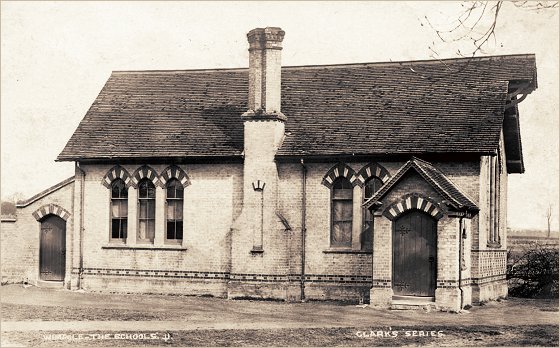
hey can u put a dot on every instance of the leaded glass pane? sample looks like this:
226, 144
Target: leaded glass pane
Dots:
118, 189
170, 230
151, 209
342, 233
146, 189
179, 210
342, 211
115, 228
115, 209
371, 186
123, 208
342, 193
179, 230
143, 210
171, 210
123, 228
342, 183
150, 233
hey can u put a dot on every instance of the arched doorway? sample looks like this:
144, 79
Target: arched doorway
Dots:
52, 251
414, 254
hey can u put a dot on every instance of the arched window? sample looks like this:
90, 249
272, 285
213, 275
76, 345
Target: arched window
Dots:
174, 210
146, 211
494, 170
370, 187
341, 213
119, 210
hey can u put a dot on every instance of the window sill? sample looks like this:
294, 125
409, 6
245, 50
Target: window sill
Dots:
346, 251
171, 243
494, 245
257, 250
144, 247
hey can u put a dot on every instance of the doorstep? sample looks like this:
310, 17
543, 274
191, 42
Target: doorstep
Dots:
413, 302
52, 284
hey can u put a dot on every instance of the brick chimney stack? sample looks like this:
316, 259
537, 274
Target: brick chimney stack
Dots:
265, 50
258, 237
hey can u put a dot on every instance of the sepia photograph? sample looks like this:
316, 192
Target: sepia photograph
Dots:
279, 173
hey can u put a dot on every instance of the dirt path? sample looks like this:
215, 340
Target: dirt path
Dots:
34, 304
46, 317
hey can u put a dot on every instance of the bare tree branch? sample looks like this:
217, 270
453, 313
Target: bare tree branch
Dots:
477, 23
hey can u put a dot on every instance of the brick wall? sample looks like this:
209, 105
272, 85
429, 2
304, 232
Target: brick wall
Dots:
212, 201
215, 256
321, 261
20, 238
330, 273
489, 262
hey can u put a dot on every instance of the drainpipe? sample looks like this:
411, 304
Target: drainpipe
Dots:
372, 251
303, 229
82, 187
461, 231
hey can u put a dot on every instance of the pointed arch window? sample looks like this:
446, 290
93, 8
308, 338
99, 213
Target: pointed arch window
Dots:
146, 211
370, 187
119, 210
341, 213
175, 198
494, 170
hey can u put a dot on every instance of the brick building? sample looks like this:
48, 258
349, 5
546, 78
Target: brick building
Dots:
381, 181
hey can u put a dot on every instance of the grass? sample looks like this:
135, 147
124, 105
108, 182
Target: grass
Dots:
18, 312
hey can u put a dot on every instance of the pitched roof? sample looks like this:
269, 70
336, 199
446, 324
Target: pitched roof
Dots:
445, 187
24, 203
449, 106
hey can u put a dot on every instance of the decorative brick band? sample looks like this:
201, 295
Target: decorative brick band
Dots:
373, 170
381, 283
309, 278
263, 278
441, 283
330, 278
123, 272
174, 172
413, 201
117, 172
488, 279
145, 172
247, 277
447, 283
51, 209
489, 250
337, 171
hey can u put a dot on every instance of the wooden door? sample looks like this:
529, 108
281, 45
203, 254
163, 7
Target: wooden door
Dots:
53, 248
414, 254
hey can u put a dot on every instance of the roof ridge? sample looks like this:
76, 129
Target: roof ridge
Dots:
338, 65
431, 166
457, 187
436, 184
418, 159
55, 187
174, 71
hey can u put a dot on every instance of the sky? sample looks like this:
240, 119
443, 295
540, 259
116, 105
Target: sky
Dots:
56, 57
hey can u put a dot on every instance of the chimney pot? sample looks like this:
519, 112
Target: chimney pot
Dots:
263, 38
265, 45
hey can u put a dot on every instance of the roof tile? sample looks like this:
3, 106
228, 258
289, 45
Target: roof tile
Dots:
448, 106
